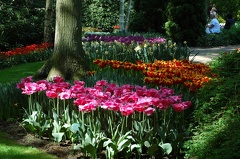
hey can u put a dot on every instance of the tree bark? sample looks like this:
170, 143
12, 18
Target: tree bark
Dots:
67, 60
128, 14
48, 22
121, 18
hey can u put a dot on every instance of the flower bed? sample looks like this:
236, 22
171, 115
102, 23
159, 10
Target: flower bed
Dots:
31, 53
122, 120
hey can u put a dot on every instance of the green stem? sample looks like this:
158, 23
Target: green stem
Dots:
58, 107
122, 125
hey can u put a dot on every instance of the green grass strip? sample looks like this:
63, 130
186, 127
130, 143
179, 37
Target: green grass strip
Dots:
9, 149
15, 73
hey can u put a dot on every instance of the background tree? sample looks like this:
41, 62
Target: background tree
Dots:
148, 16
122, 15
186, 20
101, 14
48, 29
225, 7
128, 14
21, 23
67, 60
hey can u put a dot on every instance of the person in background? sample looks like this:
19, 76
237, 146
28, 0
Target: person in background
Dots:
229, 21
214, 26
213, 9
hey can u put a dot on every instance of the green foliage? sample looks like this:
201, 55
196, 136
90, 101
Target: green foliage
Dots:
225, 7
226, 37
211, 40
11, 101
233, 33
186, 20
217, 140
100, 14
215, 130
148, 16
21, 23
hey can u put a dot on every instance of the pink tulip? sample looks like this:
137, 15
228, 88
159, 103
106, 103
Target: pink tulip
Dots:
30, 88
90, 106
58, 79
149, 111
111, 105
65, 95
126, 110
51, 94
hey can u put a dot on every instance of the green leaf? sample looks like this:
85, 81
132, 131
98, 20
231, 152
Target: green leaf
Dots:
57, 136
106, 143
152, 149
91, 149
167, 148
123, 144
136, 146
110, 152
77, 147
75, 127
147, 144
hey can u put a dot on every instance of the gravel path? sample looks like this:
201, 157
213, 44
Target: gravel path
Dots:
205, 55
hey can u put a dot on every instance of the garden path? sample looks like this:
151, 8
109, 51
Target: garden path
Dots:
205, 55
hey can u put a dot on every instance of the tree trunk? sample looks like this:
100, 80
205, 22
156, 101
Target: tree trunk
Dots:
67, 60
121, 18
128, 14
48, 21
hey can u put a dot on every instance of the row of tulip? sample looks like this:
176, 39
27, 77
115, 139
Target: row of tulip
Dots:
26, 50
127, 40
30, 53
123, 119
104, 47
168, 73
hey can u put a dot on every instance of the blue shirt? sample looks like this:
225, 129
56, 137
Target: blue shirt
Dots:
216, 26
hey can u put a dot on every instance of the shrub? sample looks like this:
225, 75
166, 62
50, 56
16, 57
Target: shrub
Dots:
211, 40
186, 20
12, 106
215, 130
148, 16
102, 15
233, 33
21, 23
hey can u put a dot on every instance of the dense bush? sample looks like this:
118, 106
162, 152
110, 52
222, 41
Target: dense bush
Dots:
216, 126
233, 33
211, 40
21, 23
226, 37
148, 16
186, 20
101, 14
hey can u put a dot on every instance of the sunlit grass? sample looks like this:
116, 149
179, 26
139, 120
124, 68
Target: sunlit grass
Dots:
9, 149
15, 73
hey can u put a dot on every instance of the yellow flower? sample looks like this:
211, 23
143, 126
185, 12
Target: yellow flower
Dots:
137, 48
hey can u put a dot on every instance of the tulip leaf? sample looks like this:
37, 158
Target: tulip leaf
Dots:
167, 147
58, 136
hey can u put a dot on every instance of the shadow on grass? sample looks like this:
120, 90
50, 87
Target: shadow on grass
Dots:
9, 149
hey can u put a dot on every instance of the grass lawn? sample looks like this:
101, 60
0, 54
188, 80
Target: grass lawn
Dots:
9, 149
17, 72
